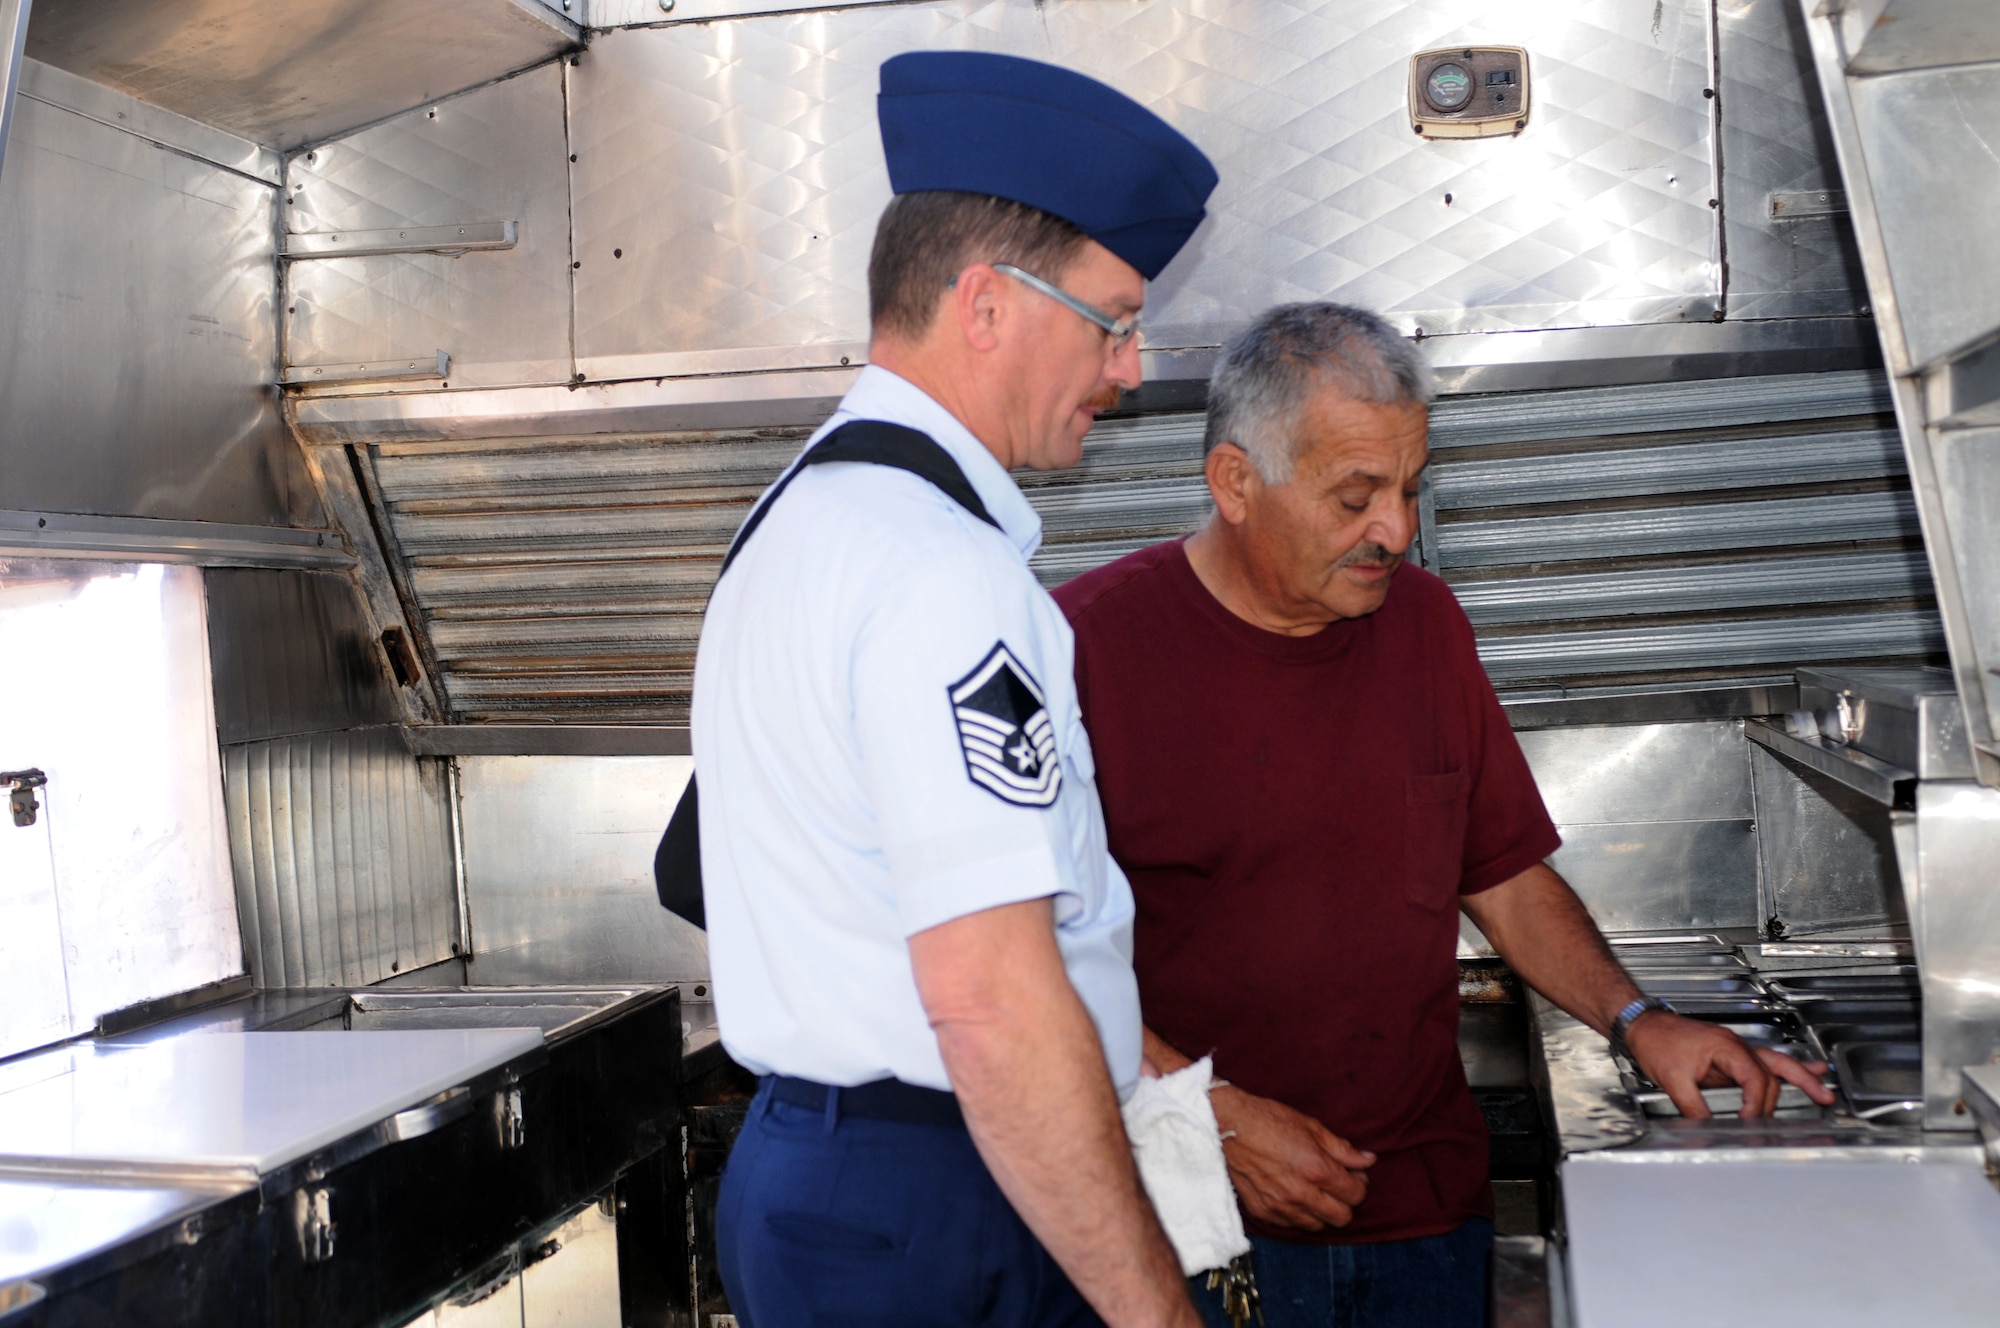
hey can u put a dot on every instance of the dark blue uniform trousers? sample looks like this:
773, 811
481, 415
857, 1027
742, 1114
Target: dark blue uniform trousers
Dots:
829, 1219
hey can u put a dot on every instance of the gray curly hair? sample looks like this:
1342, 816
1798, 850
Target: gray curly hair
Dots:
1271, 368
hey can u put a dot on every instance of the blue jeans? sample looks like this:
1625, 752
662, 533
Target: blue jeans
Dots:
833, 1221
1430, 1282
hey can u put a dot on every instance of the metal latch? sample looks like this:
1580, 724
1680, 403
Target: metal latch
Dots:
312, 1220
510, 1119
22, 800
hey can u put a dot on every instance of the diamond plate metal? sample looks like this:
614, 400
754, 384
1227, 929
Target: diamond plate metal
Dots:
736, 164
1775, 139
495, 154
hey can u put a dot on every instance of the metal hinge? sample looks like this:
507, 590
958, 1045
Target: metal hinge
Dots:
312, 1219
22, 800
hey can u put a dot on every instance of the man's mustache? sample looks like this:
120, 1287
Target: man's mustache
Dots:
1368, 555
1103, 399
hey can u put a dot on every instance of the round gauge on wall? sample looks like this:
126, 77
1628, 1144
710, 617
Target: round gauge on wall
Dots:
1469, 92
1448, 87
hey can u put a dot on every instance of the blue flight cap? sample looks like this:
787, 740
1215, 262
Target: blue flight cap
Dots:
1050, 138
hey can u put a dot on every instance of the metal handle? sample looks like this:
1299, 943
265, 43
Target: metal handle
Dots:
440, 1111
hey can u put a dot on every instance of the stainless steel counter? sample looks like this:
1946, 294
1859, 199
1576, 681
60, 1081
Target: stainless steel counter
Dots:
227, 1104
1814, 1217
1889, 1237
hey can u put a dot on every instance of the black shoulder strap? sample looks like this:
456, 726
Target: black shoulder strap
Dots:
677, 862
879, 443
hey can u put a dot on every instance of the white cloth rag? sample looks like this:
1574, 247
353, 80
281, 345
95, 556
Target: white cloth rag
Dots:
1178, 1147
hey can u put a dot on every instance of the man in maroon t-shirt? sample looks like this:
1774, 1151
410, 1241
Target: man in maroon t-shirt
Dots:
1307, 776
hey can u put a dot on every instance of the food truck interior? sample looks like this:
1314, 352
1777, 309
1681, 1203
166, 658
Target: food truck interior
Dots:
381, 380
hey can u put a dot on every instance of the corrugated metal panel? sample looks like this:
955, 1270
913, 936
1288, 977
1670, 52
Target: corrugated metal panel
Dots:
342, 851
1775, 522
1658, 408
1736, 523
1699, 587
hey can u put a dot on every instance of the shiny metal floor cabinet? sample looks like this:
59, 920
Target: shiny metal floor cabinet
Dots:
414, 1225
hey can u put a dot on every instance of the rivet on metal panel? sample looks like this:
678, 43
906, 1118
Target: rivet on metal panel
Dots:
666, 6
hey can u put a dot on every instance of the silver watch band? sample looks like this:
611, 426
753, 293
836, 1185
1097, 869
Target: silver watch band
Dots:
1622, 1024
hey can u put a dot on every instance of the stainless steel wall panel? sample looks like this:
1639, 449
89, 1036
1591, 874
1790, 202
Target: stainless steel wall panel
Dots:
1642, 772
1697, 588
736, 164
1968, 470
1929, 139
1758, 524
94, 101
559, 870
13, 36
1775, 142
1736, 463
1521, 417
1916, 150
293, 653
1695, 646
285, 75
140, 344
494, 154
1660, 875
1828, 859
1957, 914
342, 853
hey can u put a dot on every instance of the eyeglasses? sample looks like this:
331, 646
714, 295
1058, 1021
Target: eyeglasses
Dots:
1118, 331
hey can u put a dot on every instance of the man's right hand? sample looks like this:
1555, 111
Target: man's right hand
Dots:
1289, 1170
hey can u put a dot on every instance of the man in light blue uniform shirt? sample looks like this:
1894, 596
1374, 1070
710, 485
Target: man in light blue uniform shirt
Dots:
918, 938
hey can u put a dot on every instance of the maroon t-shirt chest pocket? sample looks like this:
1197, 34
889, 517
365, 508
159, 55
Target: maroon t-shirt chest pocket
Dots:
1434, 816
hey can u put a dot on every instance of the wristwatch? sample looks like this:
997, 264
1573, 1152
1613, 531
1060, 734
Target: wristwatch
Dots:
1623, 1023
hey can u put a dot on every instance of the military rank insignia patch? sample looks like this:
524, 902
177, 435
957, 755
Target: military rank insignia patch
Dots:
1005, 731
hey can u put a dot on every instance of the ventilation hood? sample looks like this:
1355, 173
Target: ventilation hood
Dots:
284, 75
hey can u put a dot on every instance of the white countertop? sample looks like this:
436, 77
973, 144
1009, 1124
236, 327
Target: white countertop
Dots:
1662, 1240
228, 1102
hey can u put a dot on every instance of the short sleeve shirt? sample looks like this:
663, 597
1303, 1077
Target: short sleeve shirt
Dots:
1299, 817
888, 738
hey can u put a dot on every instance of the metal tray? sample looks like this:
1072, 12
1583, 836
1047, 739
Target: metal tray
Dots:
1677, 986
1633, 946
1863, 986
1844, 1010
1773, 1029
1641, 961
1886, 1030
1880, 1074
1723, 1007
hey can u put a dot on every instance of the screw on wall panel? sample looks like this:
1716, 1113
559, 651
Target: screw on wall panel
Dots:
843, 361
572, 156
617, 253
1709, 93
1447, 200
666, 6
577, 264
1715, 202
